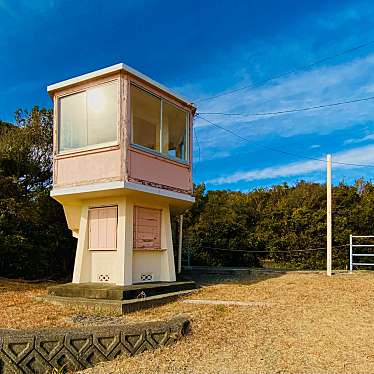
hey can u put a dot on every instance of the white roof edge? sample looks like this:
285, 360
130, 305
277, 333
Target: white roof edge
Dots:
60, 191
112, 69
159, 191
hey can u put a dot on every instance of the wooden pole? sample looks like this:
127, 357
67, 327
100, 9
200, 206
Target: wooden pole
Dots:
329, 216
180, 244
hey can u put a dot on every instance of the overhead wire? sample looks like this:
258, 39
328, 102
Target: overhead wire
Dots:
279, 150
197, 142
315, 107
287, 111
289, 72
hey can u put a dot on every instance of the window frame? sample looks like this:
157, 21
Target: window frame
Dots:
77, 90
162, 99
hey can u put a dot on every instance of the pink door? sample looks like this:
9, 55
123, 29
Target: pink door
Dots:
102, 224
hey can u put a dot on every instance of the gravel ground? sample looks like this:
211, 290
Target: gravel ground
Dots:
308, 324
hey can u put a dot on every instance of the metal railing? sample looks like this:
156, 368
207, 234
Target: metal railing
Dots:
355, 255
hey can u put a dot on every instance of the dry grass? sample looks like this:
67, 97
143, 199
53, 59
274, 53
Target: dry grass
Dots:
19, 310
315, 324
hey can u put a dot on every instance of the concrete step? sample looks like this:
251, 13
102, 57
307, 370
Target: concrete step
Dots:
116, 307
99, 291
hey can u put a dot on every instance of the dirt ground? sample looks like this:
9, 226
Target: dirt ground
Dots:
307, 323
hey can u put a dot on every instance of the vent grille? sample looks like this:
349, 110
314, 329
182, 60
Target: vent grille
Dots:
103, 277
146, 277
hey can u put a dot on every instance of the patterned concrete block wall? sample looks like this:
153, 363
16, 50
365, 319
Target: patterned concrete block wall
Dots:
40, 351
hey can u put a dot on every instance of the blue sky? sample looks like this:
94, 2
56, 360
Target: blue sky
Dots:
204, 48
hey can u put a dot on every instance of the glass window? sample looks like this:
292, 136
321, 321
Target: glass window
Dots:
73, 129
174, 131
166, 133
145, 119
102, 114
89, 117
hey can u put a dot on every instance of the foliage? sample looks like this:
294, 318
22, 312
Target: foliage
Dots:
34, 239
228, 228
279, 224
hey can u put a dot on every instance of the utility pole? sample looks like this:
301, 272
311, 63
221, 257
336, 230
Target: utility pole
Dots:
180, 243
329, 216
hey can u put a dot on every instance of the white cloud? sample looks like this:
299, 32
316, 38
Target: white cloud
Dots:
359, 140
361, 155
322, 85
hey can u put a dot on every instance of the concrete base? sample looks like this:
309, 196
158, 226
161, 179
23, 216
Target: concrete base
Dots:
108, 298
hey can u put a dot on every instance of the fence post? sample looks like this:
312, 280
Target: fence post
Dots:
350, 254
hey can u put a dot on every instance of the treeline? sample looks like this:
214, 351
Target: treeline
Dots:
223, 228
35, 242
280, 226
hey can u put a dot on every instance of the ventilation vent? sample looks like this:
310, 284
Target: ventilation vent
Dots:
103, 277
146, 277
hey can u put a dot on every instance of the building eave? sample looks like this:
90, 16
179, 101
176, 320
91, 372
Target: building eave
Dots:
113, 69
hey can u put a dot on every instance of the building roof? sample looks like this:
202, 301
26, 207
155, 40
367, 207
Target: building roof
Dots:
112, 69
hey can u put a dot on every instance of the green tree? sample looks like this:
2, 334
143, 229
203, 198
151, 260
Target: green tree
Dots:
34, 239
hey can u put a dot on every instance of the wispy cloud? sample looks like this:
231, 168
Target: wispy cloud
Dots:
320, 86
361, 155
16, 8
359, 140
7, 9
316, 87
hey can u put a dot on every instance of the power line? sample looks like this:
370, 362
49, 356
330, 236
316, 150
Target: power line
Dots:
289, 72
197, 142
291, 110
280, 150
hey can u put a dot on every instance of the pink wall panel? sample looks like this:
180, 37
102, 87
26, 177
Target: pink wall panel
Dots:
147, 228
157, 170
88, 168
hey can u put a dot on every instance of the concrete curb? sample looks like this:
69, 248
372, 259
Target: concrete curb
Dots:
40, 351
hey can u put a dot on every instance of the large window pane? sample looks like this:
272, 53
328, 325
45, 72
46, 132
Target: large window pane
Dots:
174, 131
102, 113
72, 120
89, 117
145, 119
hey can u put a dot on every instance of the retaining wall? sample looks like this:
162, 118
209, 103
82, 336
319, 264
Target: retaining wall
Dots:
40, 351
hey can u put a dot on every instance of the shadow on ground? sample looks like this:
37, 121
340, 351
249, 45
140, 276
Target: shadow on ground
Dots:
205, 276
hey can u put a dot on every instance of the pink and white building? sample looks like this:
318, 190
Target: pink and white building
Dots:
122, 164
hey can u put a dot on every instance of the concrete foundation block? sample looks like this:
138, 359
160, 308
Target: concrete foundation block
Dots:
73, 349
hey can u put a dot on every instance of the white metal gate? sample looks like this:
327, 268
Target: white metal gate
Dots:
356, 255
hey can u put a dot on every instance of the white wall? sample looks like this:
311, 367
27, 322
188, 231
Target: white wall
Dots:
123, 266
